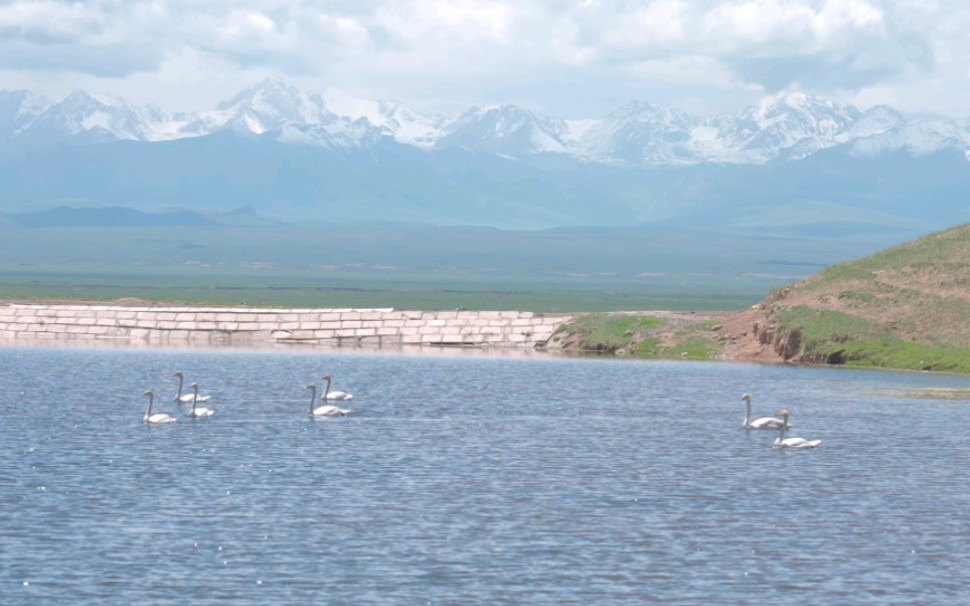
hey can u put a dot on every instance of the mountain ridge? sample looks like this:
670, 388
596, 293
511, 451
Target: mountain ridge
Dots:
328, 157
790, 125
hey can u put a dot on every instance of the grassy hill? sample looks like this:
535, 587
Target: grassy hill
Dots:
904, 308
907, 307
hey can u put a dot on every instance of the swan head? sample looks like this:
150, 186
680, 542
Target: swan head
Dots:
783, 414
194, 386
148, 393
311, 386
326, 378
178, 374
746, 398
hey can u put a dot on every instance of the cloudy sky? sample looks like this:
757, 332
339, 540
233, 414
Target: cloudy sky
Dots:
564, 58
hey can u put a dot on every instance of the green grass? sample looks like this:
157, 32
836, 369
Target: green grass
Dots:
693, 348
899, 354
608, 269
819, 327
903, 308
292, 289
838, 338
606, 333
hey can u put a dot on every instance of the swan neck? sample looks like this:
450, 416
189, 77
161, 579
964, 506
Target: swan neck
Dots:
747, 414
148, 412
313, 397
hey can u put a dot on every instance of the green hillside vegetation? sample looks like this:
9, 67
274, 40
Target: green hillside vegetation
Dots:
907, 308
649, 335
904, 308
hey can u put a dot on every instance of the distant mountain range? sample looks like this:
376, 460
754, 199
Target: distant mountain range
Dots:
791, 163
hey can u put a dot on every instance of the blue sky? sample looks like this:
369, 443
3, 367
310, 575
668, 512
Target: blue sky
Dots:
569, 59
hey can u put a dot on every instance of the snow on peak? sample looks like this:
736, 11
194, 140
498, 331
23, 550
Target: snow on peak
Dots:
398, 120
506, 129
19, 108
271, 102
789, 125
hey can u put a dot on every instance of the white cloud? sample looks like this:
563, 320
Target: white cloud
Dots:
672, 49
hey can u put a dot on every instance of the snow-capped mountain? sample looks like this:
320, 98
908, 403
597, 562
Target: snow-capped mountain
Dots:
642, 134
331, 157
506, 130
18, 109
401, 122
267, 105
782, 122
788, 126
919, 137
95, 119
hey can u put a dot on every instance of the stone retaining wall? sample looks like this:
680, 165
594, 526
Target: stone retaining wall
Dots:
240, 326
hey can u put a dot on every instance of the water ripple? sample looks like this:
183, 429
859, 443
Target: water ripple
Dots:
460, 480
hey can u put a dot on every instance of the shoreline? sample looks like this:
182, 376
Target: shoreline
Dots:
132, 322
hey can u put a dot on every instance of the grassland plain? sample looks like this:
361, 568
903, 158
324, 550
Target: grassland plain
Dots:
409, 267
907, 307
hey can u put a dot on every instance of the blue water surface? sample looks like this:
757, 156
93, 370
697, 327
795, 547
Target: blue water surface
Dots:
464, 480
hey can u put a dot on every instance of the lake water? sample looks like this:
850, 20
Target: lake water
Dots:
463, 479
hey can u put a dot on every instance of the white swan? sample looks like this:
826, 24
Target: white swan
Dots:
328, 410
187, 398
159, 417
793, 443
762, 423
335, 394
198, 412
